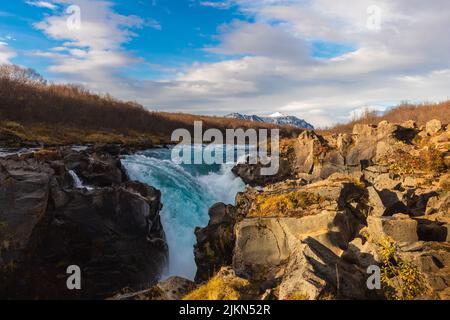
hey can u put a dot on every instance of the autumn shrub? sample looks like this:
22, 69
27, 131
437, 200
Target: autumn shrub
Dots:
401, 279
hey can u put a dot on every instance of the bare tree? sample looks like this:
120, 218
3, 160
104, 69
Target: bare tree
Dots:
20, 75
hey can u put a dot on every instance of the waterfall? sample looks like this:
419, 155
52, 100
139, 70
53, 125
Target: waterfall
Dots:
77, 183
188, 191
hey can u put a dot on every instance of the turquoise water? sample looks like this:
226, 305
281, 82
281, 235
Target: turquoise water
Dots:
188, 191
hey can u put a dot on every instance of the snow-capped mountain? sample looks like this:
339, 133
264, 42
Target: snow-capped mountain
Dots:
244, 117
276, 118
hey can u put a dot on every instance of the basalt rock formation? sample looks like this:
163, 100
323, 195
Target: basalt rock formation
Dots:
111, 228
344, 204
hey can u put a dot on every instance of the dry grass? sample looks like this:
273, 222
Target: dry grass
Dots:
289, 204
219, 289
63, 135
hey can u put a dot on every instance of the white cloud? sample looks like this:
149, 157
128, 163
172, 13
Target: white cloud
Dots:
6, 53
217, 4
42, 4
269, 67
93, 54
406, 60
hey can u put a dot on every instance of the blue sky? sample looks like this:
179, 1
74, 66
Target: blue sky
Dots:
187, 29
319, 60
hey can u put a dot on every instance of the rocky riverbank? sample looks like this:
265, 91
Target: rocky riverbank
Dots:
341, 205
379, 196
63, 207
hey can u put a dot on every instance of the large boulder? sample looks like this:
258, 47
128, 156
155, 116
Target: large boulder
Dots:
399, 227
24, 198
97, 169
432, 127
264, 245
252, 175
433, 262
315, 272
314, 155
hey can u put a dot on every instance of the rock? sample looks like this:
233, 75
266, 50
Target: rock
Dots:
432, 231
343, 141
360, 155
294, 236
314, 271
362, 253
258, 247
439, 204
386, 202
410, 124
112, 233
372, 172
433, 262
95, 169
364, 130
174, 288
411, 182
308, 145
251, 173
399, 227
339, 192
444, 182
264, 245
384, 181
432, 127
24, 197
261, 249
315, 157
386, 129
215, 242
377, 205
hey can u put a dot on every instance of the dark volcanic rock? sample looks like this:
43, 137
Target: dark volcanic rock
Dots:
112, 233
24, 196
98, 168
251, 173
215, 242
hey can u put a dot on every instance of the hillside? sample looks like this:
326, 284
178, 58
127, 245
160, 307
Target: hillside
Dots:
33, 111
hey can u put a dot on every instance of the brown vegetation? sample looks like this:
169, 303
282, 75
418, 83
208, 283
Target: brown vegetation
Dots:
72, 114
420, 113
290, 204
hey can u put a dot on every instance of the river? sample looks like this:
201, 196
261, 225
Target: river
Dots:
188, 191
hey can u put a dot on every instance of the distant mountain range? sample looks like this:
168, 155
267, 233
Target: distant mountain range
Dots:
276, 118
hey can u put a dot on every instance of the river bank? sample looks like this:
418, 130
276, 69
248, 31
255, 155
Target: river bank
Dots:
343, 204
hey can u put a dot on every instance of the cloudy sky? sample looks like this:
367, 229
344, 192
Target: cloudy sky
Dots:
321, 60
